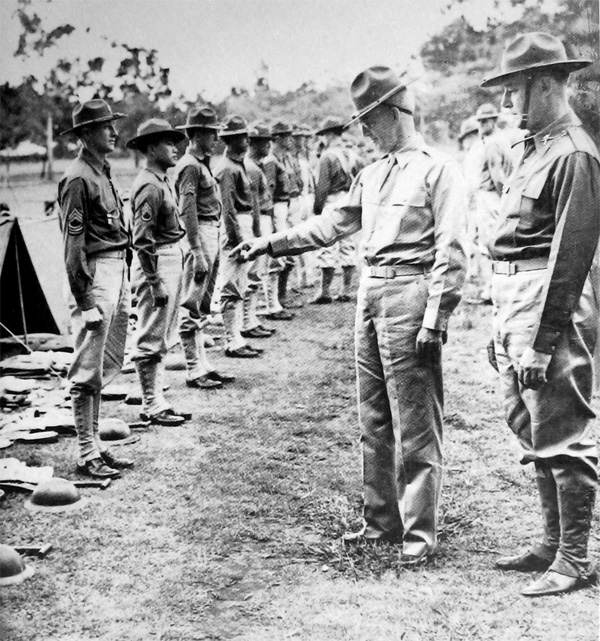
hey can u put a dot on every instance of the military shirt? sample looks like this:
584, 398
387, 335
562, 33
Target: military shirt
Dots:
277, 178
294, 172
236, 194
193, 177
262, 203
336, 171
410, 206
91, 219
155, 219
551, 209
496, 163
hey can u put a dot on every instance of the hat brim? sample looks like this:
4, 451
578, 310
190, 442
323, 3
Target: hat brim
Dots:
211, 127
134, 143
493, 116
470, 132
341, 127
567, 65
267, 137
226, 134
363, 112
115, 116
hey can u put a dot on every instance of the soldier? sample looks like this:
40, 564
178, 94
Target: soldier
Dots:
199, 203
279, 185
410, 207
96, 241
237, 227
495, 165
337, 168
546, 316
259, 136
157, 271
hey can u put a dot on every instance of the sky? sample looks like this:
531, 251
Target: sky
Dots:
213, 45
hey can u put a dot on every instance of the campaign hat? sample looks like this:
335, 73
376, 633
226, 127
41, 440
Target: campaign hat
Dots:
468, 127
259, 131
330, 124
532, 52
372, 88
486, 111
153, 129
90, 113
233, 126
201, 118
281, 129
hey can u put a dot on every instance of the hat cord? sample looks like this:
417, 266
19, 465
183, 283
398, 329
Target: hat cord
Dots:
525, 114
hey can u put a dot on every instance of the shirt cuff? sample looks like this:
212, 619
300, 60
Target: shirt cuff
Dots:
279, 245
547, 339
436, 320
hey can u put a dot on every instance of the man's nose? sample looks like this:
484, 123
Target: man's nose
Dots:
507, 100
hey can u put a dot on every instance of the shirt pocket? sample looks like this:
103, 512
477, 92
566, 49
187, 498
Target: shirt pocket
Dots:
529, 208
412, 216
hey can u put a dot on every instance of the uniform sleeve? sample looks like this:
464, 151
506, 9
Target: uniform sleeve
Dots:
324, 230
498, 162
323, 184
447, 190
146, 205
75, 216
187, 186
576, 193
228, 187
282, 190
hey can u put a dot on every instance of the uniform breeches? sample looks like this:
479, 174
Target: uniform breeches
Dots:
400, 411
156, 326
235, 274
98, 354
556, 420
196, 296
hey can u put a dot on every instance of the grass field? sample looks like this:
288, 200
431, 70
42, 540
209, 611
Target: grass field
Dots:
229, 527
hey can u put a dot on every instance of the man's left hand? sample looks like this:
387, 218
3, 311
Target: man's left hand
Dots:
429, 343
533, 367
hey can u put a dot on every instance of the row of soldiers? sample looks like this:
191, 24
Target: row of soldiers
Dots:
187, 216
409, 209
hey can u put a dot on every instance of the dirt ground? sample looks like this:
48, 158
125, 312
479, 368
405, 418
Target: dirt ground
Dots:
229, 527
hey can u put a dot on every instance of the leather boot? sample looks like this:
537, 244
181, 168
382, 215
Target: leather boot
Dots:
282, 284
571, 568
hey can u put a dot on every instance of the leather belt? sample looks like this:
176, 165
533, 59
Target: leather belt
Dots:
119, 254
395, 271
512, 267
209, 221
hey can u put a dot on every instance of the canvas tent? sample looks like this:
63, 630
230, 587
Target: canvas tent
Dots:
32, 277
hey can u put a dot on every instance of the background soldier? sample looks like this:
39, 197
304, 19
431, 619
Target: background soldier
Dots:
95, 246
156, 282
410, 206
546, 310
200, 205
337, 168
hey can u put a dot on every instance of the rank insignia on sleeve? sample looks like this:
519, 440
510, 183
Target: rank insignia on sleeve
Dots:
146, 213
189, 189
75, 222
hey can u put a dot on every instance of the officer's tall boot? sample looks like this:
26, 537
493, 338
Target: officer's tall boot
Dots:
324, 297
571, 568
541, 555
90, 461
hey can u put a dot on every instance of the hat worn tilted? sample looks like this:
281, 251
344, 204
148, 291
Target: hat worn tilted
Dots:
201, 118
153, 129
233, 126
372, 88
91, 113
531, 52
259, 131
330, 124
486, 112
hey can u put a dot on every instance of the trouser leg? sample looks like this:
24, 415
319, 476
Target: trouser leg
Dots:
231, 311
82, 401
327, 274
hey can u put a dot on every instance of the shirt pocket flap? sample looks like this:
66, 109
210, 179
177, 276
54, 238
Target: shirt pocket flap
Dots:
416, 198
534, 187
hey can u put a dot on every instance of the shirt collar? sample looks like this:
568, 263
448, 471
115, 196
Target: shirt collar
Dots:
544, 138
162, 177
202, 158
98, 166
414, 143
235, 157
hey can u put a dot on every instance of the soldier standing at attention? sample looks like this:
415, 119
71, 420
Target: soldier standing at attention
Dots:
409, 207
96, 241
279, 185
337, 169
237, 227
156, 281
200, 206
259, 136
545, 289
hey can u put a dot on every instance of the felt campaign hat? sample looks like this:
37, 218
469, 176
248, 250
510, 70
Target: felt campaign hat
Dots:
372, 88
91, 113
151, 130
201, 118
468, 127
531, 52
281, 129
486, 112
233, 126
330, 124
259, 131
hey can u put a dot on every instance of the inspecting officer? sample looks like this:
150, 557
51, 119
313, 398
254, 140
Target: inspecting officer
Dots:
156, 282
409, 207
199, 203
545, 290
95, 241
